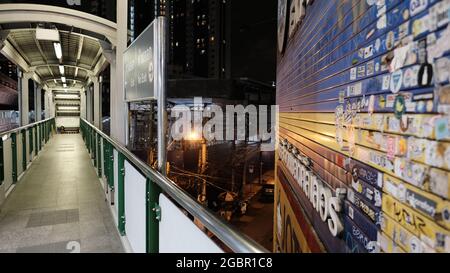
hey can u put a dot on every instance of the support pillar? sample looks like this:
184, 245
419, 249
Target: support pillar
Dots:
97, 103
38, 102
118, 106
89, 104
24, 99
47, 104
83, 103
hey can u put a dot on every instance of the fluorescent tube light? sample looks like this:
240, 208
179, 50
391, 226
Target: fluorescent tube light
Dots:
68, 108
61, 69
67, 96
58, 50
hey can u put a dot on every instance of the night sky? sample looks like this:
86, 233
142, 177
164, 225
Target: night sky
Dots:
254, 30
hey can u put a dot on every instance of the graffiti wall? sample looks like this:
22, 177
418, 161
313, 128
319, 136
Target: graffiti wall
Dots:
363, 162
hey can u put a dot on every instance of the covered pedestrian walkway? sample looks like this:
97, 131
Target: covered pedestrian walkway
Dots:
59, 205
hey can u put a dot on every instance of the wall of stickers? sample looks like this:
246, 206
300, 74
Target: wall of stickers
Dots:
363, 163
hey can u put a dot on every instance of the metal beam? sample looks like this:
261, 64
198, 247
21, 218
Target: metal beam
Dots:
96, 59
101, 41
14, 13
15, 47
65, 65
67, 79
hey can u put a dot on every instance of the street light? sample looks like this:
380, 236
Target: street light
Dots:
193, 136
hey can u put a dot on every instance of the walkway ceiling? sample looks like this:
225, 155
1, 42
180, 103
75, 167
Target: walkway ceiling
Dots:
81, 52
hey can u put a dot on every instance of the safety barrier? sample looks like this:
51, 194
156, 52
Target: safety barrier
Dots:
153, 213
18, 148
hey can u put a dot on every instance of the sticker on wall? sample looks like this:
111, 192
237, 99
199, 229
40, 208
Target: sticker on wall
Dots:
420, 26
443, 93
368, 52
361, 71
417, 6
425, 74
406, 14
408, 78
400, 55
391, 141
441, 12
386, 82
377, 45
381, 6
353, 72
442, 70
441, 128
354, 90
382, 22
382, 102
390, 40
430, 106
421, 106
396, 81
399, 106
371, 104
341, 97
404, 123
403, 30
370, 68
370, 34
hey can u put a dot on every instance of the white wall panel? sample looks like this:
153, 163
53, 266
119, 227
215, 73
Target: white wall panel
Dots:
135, 208
19, 155
68, 122
7, 158
178, 234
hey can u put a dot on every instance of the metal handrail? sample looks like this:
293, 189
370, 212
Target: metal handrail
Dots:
229, 235
18, 129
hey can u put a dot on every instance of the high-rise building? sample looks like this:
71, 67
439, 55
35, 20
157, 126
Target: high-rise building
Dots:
177, 37
140, 14
7, 68
199, 38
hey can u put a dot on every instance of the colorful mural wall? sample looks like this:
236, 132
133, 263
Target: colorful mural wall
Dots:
363, 163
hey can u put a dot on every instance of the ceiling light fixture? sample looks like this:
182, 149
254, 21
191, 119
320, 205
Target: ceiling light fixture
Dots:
61, 69
58, 50
44, 34
63, 79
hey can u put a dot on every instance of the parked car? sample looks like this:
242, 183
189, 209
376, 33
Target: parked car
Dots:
267, 193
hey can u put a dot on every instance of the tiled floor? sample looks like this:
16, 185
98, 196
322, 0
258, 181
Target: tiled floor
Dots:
59, 205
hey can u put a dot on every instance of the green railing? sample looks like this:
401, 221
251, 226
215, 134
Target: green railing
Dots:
12, 163
122, 173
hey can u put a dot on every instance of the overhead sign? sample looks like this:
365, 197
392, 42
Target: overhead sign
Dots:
139, 67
